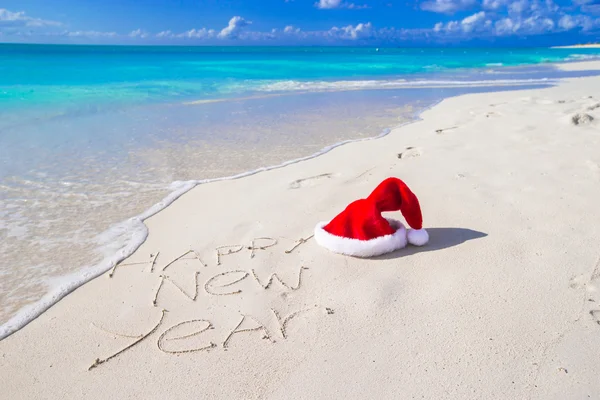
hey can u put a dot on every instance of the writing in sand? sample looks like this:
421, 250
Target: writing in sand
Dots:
172, 339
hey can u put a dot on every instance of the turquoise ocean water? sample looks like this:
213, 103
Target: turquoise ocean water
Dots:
91, 136
74, 76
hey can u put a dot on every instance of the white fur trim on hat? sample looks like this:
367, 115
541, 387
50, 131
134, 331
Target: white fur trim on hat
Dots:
417, 237
362, 248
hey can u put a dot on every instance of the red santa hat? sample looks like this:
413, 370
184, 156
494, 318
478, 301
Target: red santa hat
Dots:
360, 230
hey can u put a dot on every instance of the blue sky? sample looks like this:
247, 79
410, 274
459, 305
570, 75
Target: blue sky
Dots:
301, 22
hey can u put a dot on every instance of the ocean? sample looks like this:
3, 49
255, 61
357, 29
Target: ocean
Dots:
93, 139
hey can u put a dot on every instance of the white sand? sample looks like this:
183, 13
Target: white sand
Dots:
503, 303
581, 66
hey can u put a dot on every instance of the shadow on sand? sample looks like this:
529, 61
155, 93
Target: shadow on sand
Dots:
439, 238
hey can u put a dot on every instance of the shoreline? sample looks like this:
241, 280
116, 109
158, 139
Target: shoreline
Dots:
497, 282
391, 85
138, 230
139, 233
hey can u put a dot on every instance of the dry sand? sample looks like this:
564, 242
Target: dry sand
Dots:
504, 303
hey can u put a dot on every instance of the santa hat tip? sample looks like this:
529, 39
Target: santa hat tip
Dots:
418, 237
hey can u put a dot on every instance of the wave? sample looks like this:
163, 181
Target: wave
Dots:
316, 86
583, 57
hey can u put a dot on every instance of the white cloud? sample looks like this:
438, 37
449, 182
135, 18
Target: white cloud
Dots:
584, 22
567, 22
328, 4
518, 7
539, 7
494, 4
291, 30
165, 34
532, 25
331, 4
474, 19
482, 24
453, 26
139, 33
360, 31
19, 19
535, 24
591, 9
92, 34
233, 29
475, 22
505, 26
202, 33
588, 6
447, 6
500, 18
551, 6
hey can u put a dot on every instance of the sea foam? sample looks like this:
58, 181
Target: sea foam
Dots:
308, 86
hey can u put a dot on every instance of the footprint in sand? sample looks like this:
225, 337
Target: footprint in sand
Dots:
410, 152
591, 286
310, 181
367, 172
581, 119
593, 107
578, 282
442, 130
593, 293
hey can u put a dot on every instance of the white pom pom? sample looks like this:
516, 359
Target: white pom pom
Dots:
418, 237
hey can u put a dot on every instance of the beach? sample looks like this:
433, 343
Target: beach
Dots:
94, 139
230, 297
